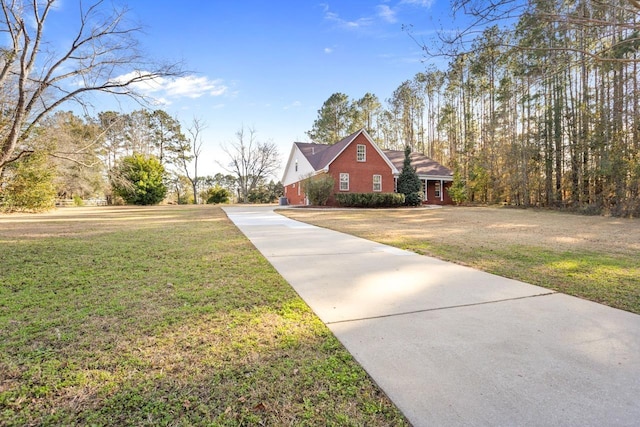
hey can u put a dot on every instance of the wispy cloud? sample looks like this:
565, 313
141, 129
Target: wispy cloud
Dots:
386, 13
165, 89
345, 23
328, 50
421, 3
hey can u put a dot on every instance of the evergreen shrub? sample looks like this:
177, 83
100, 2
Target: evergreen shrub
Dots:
28, 185
409, 182
139, 180
370, 200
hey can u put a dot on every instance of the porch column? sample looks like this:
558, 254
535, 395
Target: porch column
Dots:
425, 187
442, 190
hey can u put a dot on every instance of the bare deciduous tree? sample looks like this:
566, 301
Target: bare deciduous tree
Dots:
191, 152
35, 80
251, 161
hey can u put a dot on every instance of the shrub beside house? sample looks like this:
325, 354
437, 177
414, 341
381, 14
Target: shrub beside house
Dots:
357, 165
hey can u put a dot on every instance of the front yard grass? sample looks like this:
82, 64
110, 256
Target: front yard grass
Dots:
163, 316
595, 258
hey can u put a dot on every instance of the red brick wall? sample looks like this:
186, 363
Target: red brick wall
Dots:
361, 173
291, 193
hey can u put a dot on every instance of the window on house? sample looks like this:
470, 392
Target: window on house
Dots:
296, 166
377, 182
437, 192
362, 153
344, 182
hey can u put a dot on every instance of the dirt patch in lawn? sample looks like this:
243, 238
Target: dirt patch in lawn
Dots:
484, 227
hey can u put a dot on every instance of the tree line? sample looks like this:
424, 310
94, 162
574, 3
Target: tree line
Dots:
543, 110
114, 155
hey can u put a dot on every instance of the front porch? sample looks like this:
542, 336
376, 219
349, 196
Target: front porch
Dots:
434, 191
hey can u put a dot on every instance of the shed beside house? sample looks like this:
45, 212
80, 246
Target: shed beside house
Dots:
358, 165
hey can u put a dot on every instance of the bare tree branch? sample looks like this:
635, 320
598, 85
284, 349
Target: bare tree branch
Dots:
483, 14
32, 85
66, 156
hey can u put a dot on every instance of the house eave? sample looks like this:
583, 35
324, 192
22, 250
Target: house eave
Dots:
432, 177
437, 177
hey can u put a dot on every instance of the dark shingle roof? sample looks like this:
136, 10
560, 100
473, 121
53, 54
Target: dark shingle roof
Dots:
423, 164
311, 151
320, 155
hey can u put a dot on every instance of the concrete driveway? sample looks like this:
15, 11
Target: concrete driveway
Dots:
455, 346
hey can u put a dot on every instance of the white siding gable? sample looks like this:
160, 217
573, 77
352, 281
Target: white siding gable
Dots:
304, 168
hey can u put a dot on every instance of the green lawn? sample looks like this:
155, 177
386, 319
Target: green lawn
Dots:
163, 316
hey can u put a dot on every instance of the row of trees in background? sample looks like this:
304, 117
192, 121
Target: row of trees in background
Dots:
544, 111
142, 157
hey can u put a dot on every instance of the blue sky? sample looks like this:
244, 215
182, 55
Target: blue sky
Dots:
271, 64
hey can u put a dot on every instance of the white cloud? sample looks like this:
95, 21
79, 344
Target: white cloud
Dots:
421, 3
163, 89
346, 24
328, 50
161, 101
383, 14
194, 87
386, 13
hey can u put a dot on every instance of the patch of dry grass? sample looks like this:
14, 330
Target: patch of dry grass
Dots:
596, 258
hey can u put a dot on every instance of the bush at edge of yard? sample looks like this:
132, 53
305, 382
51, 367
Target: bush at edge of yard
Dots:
28, 186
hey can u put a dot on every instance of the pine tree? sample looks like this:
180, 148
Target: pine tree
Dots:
334, 120
408, 182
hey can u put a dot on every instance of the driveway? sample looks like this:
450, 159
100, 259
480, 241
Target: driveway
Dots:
455, 346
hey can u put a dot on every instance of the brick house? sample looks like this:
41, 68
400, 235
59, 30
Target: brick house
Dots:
358, 165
